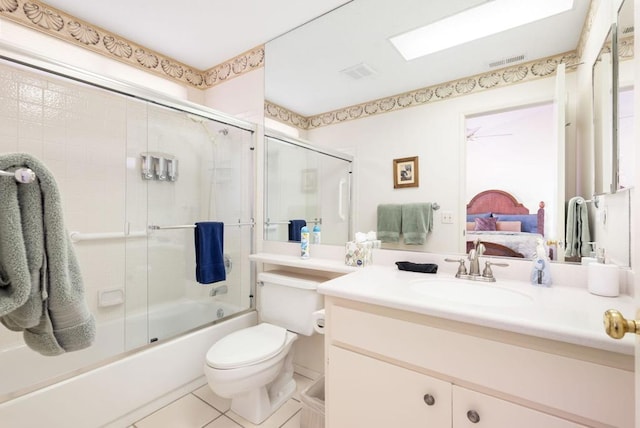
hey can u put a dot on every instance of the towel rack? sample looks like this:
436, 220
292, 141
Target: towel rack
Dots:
314, 221
79, 236
192, 226
435, 206
21, 175
588, 201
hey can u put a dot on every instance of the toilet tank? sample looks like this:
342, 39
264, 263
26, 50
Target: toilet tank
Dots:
288, 299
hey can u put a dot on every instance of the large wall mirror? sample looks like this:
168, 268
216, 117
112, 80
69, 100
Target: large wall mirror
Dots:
624, 91
613, 106
341, 83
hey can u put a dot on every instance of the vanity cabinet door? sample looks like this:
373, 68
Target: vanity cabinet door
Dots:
365, 392
475, 410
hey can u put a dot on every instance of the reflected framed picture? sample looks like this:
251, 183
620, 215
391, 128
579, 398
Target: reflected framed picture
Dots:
309, 180
405, 172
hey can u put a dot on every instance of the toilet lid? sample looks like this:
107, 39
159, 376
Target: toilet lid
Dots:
247, 346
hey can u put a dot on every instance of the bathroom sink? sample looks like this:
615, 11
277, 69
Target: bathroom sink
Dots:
469, 293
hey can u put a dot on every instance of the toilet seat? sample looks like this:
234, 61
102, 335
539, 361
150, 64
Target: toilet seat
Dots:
247, 346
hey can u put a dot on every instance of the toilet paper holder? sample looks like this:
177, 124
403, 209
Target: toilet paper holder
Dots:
319, 321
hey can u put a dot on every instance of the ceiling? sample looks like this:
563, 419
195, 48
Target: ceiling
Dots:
302, 67
199, 33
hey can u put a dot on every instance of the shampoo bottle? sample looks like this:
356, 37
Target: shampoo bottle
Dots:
304, 242
316, 234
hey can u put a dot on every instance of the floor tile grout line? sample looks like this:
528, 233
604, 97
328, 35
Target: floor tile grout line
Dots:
290, 417
208, 404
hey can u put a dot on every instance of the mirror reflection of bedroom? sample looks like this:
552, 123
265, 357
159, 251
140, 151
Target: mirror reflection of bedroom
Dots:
511, 181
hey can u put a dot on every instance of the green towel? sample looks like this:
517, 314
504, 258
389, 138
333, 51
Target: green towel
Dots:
389, 222
41, 289
577, 233
417, 221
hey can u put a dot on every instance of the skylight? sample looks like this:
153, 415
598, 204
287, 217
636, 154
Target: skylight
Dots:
481, 21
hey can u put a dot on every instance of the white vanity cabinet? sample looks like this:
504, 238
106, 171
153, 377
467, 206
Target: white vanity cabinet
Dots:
372, 393
472, 409
387, 367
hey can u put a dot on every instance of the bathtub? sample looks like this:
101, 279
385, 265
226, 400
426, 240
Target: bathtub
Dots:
165, 321
119, 393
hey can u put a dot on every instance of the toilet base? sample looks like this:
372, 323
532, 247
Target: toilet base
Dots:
257, 405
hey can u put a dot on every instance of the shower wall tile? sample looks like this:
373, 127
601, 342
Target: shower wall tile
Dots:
30, 112
30, 94
8, 86
54, 147
53, 99
8, 125
34, 147
8, 106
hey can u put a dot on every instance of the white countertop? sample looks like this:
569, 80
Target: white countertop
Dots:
566, 314
326, 265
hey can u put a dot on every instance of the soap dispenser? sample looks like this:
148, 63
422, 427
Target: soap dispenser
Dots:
603, 279
541, 270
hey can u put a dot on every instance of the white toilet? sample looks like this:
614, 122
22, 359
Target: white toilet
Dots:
254, 366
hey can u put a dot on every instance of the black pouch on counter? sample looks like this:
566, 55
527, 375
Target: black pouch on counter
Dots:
418, 267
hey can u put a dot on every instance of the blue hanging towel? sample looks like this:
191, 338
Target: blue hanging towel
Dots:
294, 229
209, 243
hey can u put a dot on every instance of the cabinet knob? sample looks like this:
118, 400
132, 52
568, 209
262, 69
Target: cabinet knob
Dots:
429, 399
473, 416
617, 326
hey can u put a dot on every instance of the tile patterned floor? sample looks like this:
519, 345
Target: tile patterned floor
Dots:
203, 409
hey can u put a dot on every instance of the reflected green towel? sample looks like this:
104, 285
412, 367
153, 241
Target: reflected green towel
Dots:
417, 221
577, 234
389, 222
41, 290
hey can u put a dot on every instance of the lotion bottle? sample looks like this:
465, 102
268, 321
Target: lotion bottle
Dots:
304, 242
316, 234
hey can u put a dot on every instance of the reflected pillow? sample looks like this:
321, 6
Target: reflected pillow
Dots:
485, 223
529, 222
472, 217
509, 226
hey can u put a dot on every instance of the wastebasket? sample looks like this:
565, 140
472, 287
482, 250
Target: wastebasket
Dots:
312, 415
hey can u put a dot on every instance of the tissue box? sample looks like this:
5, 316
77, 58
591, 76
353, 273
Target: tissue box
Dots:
358, 253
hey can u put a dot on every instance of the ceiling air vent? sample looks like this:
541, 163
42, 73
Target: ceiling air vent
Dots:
506, 61
359, 71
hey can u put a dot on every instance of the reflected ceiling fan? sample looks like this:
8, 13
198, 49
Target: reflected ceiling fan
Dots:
473, 135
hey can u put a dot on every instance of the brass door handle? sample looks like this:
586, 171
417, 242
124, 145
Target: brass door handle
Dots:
617, 326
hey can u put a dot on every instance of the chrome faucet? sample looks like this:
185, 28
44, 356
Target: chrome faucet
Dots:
223, 289
474, 265
474, 258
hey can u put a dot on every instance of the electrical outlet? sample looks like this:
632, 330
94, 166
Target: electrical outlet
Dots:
447, 217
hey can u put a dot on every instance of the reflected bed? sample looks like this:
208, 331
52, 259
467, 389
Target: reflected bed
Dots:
504, 225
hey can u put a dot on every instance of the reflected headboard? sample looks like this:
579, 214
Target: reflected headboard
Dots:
499, 201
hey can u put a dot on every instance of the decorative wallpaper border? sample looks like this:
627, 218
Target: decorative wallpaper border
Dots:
503, 77
468, 85
51, 21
